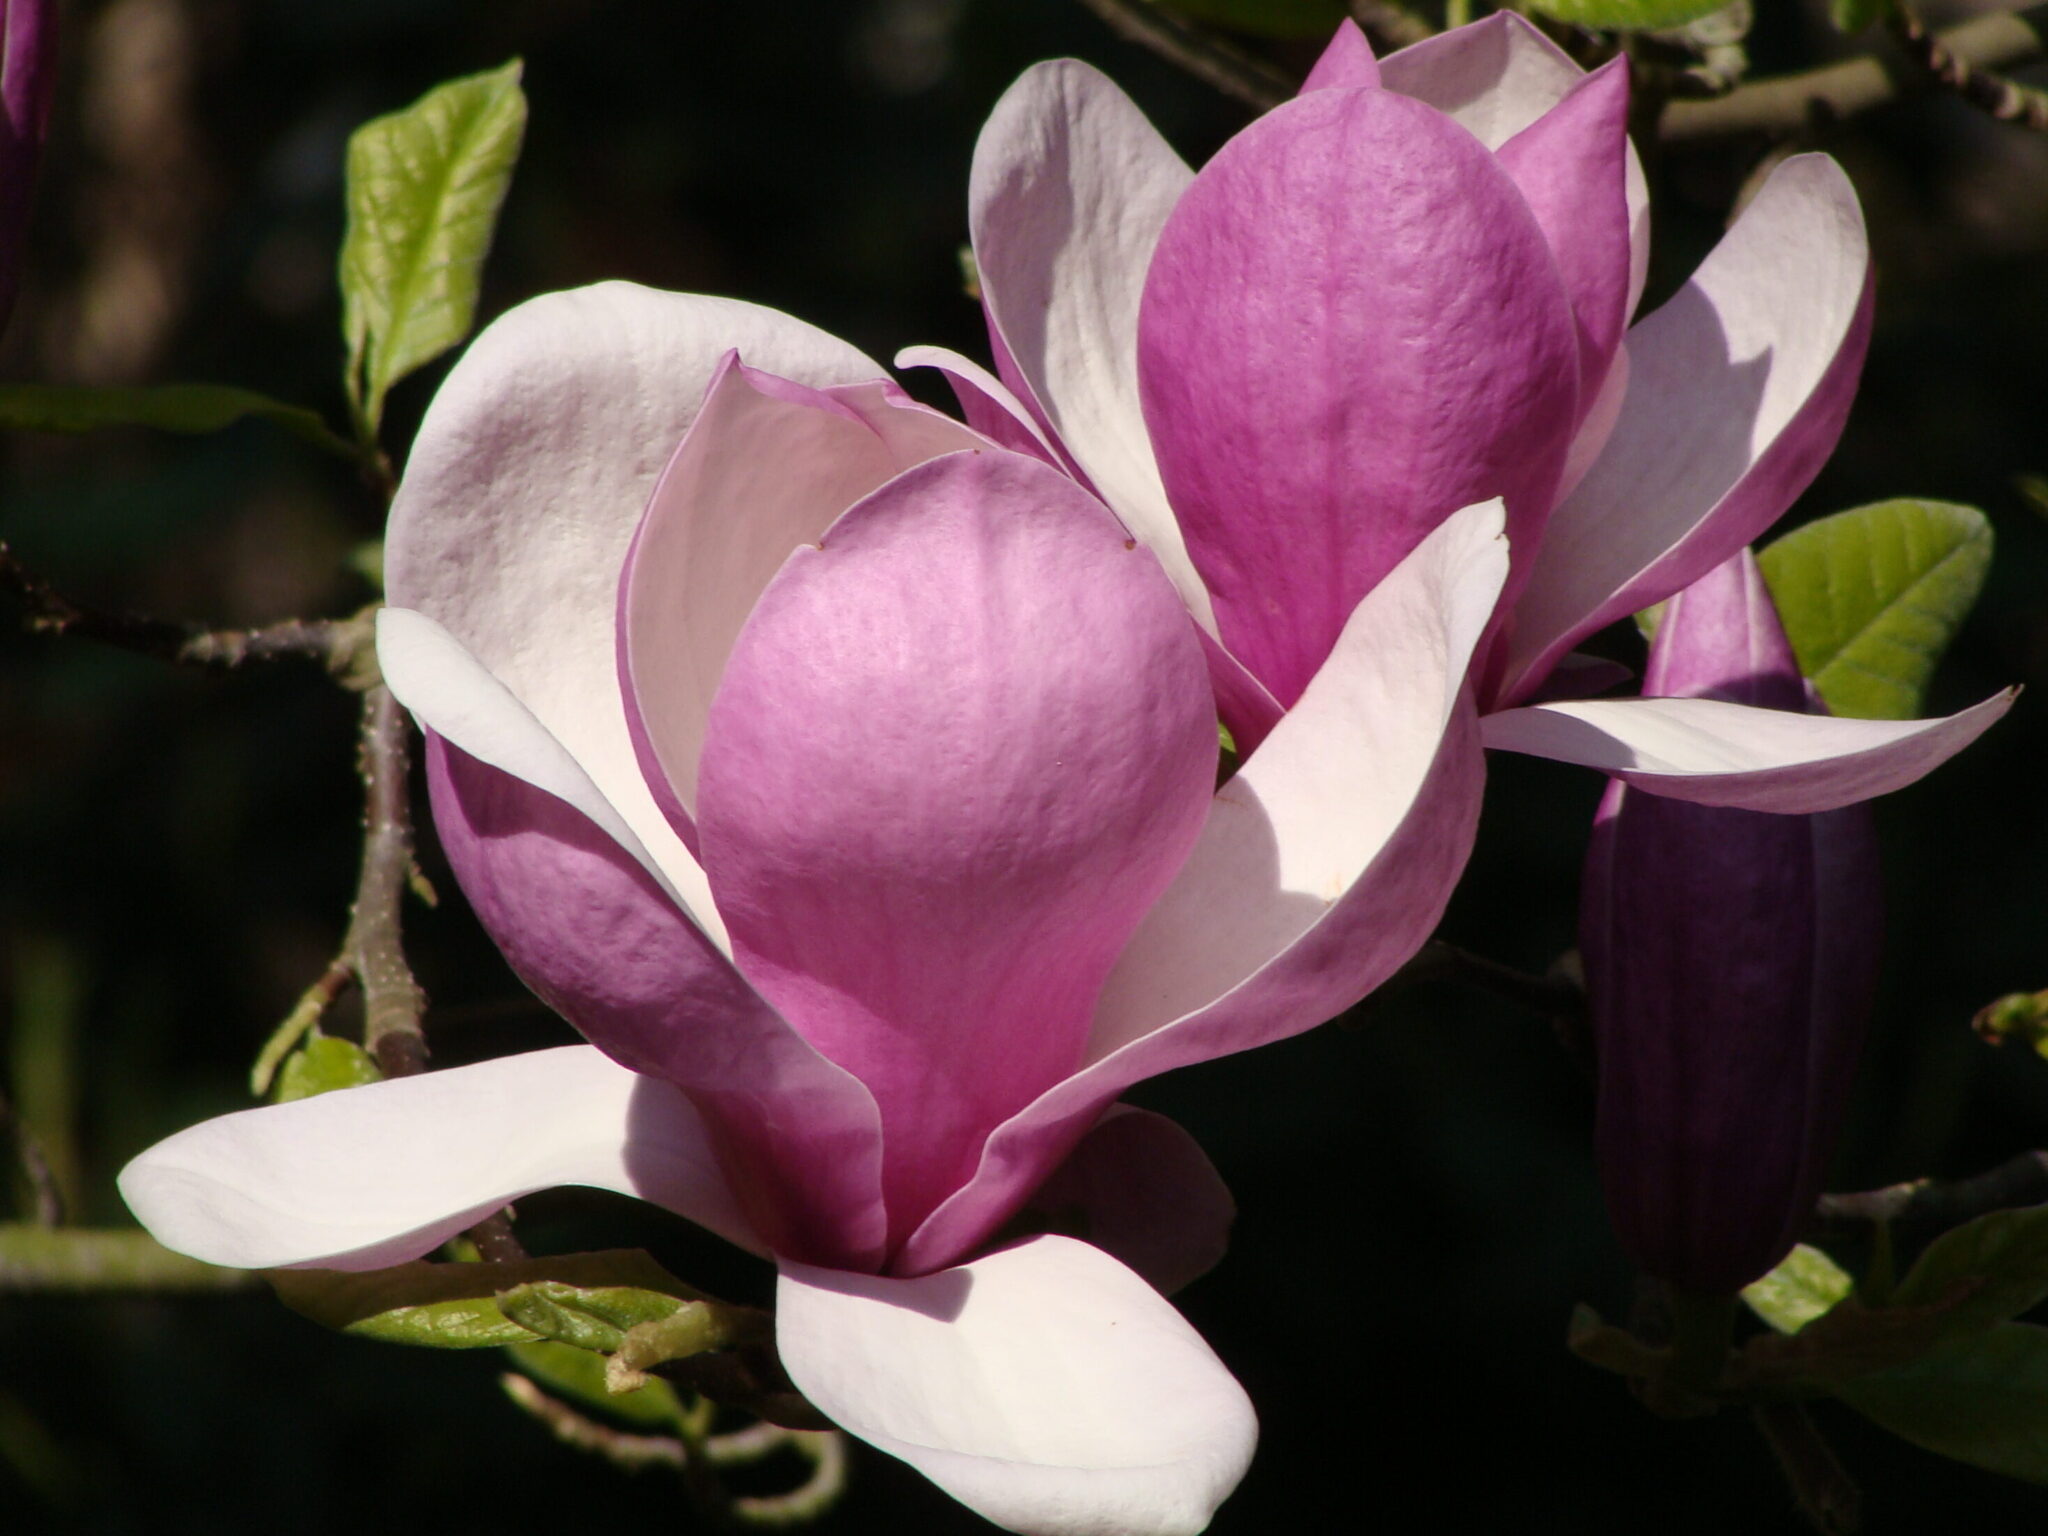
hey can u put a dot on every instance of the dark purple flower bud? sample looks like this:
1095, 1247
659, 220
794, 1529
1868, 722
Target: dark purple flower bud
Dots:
28, 73
1731, 960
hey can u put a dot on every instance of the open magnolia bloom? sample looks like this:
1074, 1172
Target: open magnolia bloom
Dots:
849, 781
1402, 293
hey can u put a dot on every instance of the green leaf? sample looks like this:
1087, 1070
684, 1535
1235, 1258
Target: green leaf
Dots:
1872, 597
587, 1317
1982, 1273
1627, 15
455, 1306
1852, 16
1267, 18
579, 1375
424, 189
167, 407
323, 1064
1981, 1400
1805, 1285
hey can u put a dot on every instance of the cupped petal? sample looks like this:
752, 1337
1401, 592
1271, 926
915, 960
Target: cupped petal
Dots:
766, 467
1069, 191
1738, 390
530, 473
1141, 1189
1347, 61
586, 928
376, 1175
989, 405
1495, 78
1716, 753
1352, 328
1325, 864
960, 747
1572, 164
1046, 1387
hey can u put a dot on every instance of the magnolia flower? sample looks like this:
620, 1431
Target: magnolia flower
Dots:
1731, 961
1402, 293
849, 782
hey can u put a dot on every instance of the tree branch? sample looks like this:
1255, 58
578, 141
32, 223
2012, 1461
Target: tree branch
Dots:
34, 1258
1391, 23
1980, 87
47, 1195
2019, 1182
1198, 51
1789, 102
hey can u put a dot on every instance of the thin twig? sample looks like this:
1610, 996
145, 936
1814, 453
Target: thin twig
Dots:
1789, 103
1198, 51
1558, 996
34, 1258
374, 947
52, 612
1827, 1495
2021, 1182
632, 1452
1981, 87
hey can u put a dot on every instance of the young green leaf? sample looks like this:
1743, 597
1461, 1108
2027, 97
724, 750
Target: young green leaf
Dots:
424, 189
1627, 15
166, 407
1992, 1269
1852, 16
323, 1064
1871, 598
1804, 1286
579, 1375
1981, 1400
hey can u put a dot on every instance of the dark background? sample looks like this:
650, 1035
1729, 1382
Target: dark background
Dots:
177, 850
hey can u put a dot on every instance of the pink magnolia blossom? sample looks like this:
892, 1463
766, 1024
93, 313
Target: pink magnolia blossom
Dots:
849, 782
1402, 293
1731, 962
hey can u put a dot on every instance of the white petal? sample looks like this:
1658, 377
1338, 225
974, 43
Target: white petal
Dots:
366, 1177
530, 473
1737, 390
1070, 189
1046, 1387
964, 370
1716, 753
449, 692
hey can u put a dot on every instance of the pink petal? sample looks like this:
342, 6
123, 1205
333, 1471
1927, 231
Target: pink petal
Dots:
1728, 643
1571, 165
1142, 1190
1352, 328
1069, 191
1348, 61
1325, 864
372, 1176
598, 941
1715, 753
530, 472
1495, 78
1045, 1387
958, 751
987, 403
766, 467
1738, 390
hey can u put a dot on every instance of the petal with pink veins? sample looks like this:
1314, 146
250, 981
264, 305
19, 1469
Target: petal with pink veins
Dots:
1325, 864
1738, 389
1046, 1387
959, 749
1347, 61
1498, 76
1069, 191
372, 1176
530, 473
765, 468
586, 928
1571, 165
1716, 753
1353, 327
